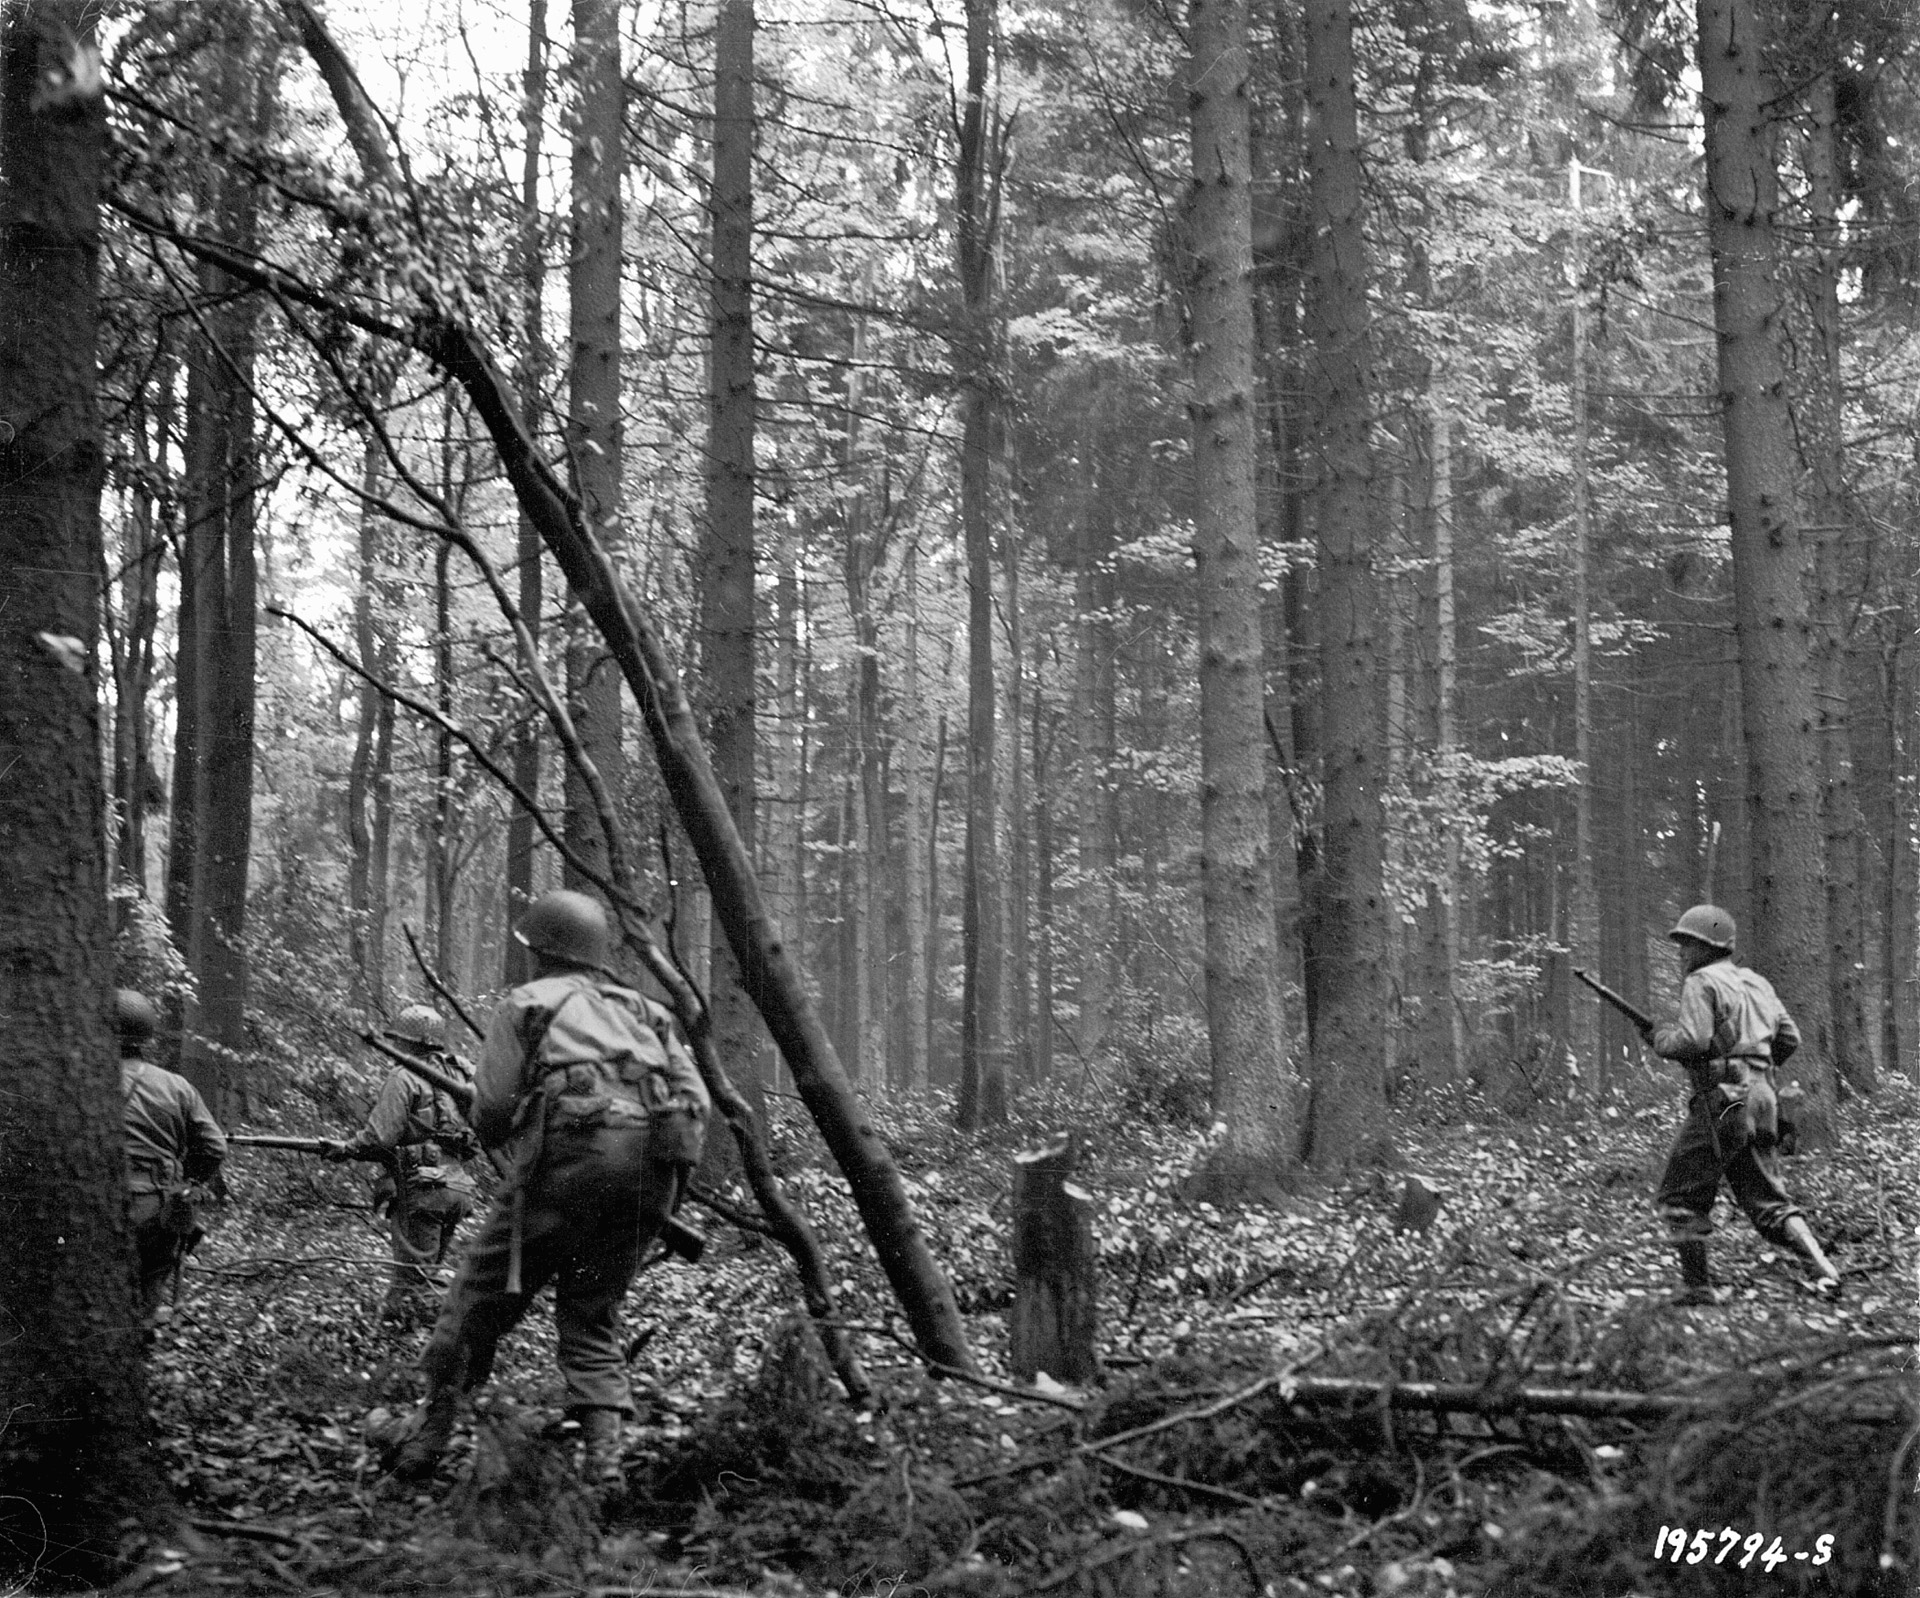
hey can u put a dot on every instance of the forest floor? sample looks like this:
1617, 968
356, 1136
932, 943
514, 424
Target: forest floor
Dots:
750, 1472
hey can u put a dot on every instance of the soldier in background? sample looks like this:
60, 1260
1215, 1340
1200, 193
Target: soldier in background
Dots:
419, 1135
174, 1146
1730, 1033
602, 1111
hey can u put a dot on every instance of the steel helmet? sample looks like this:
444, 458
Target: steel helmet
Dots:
134, 1017
567, 926
420, 1023
1708, 924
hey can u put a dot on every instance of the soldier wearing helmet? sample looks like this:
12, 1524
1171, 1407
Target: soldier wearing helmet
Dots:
419, 1135
1730, 1034
585, 1085
173, 1145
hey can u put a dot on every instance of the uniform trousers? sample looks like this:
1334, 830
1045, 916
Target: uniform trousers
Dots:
1717, 1143
590, 1205
421, 1230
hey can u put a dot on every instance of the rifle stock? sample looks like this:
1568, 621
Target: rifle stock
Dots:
1626, 1007
676, 1236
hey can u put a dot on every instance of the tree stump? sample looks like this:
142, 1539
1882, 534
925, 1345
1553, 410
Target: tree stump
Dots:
1051, 1328
1420, 1202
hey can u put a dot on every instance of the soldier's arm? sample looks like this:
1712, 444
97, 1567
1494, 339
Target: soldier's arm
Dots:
205, 1144
1689, 1036
497, 1079
1786, 1038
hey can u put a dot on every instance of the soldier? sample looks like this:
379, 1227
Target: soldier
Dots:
173, 1144
602, 1112
1732, 1030
419, 1135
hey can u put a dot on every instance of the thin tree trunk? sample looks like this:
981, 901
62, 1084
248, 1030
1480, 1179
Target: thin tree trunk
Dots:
74, 1465
1583, 918
983, 1069
914, 886
594, 433
1246, 1031
1831, 612
1094, 893
360, 778
1785, 931
728, 552
1349, 908
215, 1047
517, 965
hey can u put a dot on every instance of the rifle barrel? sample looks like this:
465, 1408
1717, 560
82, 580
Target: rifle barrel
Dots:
261, 1140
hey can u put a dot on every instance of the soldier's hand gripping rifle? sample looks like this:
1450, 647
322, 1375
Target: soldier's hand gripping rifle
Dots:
676, 1236
1643, 1022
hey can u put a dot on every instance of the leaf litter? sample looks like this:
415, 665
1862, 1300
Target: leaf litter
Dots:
1204, 1464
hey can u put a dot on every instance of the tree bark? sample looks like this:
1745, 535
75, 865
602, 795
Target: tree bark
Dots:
533, 275
593, 401
1825, 446
728, 554
1785, 930
214, 1045
73, 1458
1245, 1028
1348, 945
983, 1071
1094, 894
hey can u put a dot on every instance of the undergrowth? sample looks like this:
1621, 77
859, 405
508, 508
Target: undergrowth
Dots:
750, 1471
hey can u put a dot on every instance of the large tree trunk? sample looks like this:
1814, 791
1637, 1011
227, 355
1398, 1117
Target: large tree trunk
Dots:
1348, 946
728, 555
1785, 931
73, 1459
594, 432
1245, 1028
215, 1046
983, 1066
517, 966
1832, 611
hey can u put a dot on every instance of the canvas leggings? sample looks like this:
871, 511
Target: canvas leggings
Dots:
421, 1230
592, 1204
1717, 1142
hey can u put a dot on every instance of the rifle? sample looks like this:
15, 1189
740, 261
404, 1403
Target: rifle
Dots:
1626, 1007
299, 1145
676, 1236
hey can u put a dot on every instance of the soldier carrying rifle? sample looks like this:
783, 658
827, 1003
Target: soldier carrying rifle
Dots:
1730, 1034
420, 1136
593, 1097
174, 1147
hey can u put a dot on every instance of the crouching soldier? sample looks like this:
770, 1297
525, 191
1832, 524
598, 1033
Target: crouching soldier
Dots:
602, 1113
1731, 1031
419, 1135
174, 1146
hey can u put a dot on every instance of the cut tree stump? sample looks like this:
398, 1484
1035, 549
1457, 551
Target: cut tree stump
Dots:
1051, 1328
1420, 1202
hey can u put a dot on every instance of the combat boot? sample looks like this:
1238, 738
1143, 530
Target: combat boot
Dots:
1826, 1279
602, 1431
427, 1436
1696, 1283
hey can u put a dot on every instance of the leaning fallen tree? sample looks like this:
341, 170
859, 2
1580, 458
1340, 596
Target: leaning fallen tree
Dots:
767, 972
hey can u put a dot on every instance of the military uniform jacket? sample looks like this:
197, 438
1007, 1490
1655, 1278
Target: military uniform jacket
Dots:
172, 1138
581, 1048
1731, 1024
422, 1125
